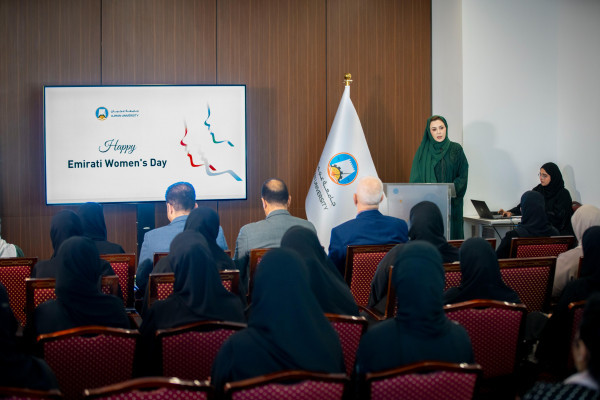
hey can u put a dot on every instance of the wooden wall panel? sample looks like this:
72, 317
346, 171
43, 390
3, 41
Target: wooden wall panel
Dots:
156, 42
277, 48
43, 43
291, 55
386, 46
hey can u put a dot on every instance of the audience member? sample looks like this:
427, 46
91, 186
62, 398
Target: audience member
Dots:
18, 369
7, 249
64, 224
287, 329
268, 232
420, 331
567, 263
181, 200
552, 351
369, 226
94, 227
79, 300
198, 293
426, 223
480, 275
584, 384
534, 223
329, 288
557, 199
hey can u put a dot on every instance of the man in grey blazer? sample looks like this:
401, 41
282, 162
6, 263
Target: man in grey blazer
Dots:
268, 232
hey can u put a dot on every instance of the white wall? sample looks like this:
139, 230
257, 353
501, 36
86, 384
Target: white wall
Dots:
530, 86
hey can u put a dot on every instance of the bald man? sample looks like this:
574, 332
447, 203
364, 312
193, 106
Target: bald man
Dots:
369, 227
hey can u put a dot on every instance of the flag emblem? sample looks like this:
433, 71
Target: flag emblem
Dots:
342, 168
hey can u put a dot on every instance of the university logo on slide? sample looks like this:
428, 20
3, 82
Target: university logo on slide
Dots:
342, 168
101, 113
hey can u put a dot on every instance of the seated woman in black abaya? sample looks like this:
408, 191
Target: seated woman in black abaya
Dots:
287, 329
480, 275
557, 199
534, 223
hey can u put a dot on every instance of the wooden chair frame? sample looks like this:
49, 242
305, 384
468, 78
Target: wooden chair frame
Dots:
573, 308
131, 269
255, 256
424, 367
232, 275
349, 359
157, 382
153, 281
458, 242
87, 331
157, 256
390, 303
24, 393
284, 377
532, 241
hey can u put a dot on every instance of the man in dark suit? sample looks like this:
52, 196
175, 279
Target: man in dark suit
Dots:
369, 226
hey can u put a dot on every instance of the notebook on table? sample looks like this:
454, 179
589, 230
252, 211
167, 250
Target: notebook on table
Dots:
484, 212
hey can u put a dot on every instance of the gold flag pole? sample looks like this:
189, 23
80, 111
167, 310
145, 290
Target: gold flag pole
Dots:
347, 79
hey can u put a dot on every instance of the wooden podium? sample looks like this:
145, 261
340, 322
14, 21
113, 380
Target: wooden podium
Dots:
401, 197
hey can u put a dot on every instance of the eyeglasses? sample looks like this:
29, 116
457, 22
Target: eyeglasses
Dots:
543, 176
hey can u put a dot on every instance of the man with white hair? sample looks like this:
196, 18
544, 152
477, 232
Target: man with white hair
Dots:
369, 226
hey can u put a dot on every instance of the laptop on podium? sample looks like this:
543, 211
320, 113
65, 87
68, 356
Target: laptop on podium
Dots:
484, 212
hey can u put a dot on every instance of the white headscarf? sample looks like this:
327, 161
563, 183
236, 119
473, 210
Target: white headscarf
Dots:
586, 216
7, 249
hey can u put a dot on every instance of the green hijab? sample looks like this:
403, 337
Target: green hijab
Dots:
429, 153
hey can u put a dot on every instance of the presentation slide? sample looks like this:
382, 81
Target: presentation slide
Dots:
112, 144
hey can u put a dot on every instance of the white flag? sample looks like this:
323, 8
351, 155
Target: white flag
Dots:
345, 159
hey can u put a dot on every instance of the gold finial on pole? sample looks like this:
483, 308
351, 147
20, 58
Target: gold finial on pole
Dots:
347, 79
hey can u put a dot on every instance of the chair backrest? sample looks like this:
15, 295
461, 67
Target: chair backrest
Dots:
157, 256
160, 285
289, 385
521, 247
39, 290
231, 280
349, 329
153, 388
459, 242
575, 316
13, 272
255, 256
452, 275
361, 263
531, 279
188, 351
89, 357
124, 267
496, 330
425, 380
14, 393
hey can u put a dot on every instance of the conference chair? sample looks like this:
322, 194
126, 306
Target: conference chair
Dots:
540, 246
530, 278
153, 388
255, 256
496, 329
188, 351
459, 242
575, 317
431, 380
157, 256
13, 272
289, 385
361, 263
349, 329
89, 357
39, 290
160, 285
15, 393
390, 307
124, 266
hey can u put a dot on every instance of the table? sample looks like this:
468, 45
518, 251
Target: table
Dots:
484, 227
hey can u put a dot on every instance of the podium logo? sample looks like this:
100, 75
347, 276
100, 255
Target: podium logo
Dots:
342, 168
101, 113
